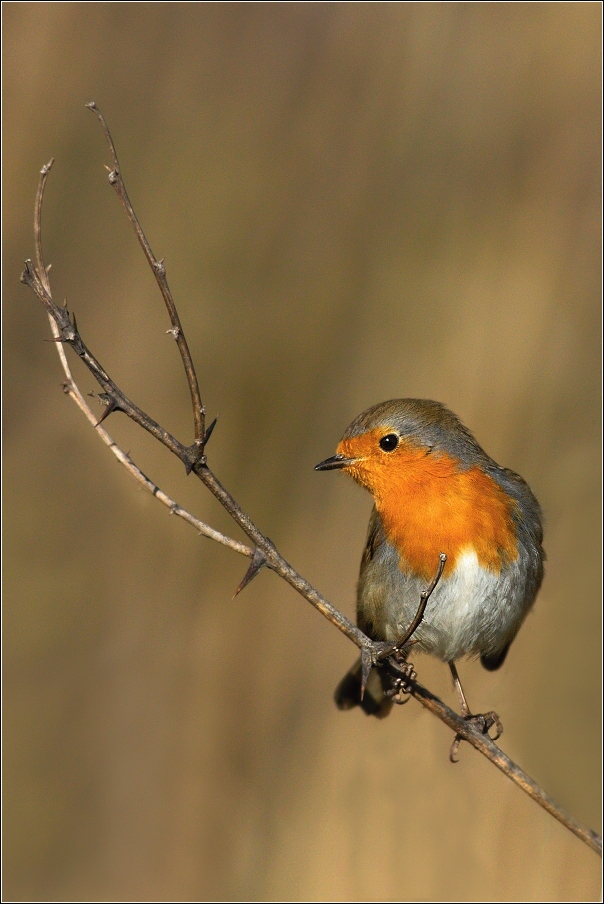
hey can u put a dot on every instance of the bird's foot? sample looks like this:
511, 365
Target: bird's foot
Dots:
484, 722
402, 684
402, 674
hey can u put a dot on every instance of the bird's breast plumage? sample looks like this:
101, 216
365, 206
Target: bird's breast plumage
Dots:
434, 507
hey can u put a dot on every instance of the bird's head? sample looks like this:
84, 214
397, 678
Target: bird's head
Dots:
400, 438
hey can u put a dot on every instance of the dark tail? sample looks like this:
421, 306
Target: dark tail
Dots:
375, 702
494, 661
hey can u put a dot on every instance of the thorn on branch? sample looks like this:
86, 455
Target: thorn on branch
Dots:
69, 333
159, 267
192, 457
366, 666
175, 332
209, 432
26, 275
258, 561
110, 402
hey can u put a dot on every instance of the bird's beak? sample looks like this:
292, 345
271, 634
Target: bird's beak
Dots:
336, 461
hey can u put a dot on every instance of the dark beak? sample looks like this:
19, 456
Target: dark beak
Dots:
336, 461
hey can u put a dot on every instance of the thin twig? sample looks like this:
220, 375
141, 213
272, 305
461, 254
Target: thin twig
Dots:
159, 271
419, 615
264, 552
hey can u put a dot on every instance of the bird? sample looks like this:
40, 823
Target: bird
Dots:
436, 491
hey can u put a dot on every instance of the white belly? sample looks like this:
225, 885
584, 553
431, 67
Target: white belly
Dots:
471, 612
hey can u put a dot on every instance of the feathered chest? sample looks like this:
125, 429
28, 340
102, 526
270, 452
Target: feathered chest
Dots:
438, 508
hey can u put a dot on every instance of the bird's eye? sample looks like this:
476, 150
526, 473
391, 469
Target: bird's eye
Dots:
389, 442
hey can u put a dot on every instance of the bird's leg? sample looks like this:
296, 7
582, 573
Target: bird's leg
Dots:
465, 709
484, 721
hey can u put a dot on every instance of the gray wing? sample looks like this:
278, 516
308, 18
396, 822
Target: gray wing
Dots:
375, 537
529, 526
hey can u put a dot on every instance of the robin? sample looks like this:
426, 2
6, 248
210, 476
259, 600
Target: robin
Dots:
436, 491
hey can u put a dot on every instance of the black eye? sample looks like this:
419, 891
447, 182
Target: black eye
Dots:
389, 443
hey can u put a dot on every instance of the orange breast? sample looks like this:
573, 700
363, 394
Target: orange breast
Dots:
428, 506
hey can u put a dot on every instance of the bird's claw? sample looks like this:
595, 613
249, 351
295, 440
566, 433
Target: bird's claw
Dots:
484, 722
402, 685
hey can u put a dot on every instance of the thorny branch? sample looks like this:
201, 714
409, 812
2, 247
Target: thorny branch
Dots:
263, 552
159, 271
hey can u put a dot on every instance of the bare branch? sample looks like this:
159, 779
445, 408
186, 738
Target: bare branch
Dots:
70, 387
68, 332
159, 271
38, 223
264, 551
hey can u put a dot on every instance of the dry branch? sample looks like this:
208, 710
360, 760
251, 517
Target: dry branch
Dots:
263, 553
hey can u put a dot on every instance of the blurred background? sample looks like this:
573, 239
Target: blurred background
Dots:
356, 202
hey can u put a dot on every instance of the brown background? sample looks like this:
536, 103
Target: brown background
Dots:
355, 202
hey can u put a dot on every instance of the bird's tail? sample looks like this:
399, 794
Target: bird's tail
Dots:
375, 702
495, 660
